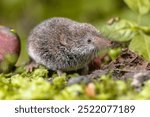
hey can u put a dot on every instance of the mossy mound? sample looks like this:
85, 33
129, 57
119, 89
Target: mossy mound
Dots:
37, 85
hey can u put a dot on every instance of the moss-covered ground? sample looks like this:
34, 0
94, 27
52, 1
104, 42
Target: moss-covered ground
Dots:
38, 85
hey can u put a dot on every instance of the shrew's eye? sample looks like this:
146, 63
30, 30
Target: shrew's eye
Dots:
89, 40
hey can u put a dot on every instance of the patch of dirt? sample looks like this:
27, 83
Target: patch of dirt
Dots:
125, 66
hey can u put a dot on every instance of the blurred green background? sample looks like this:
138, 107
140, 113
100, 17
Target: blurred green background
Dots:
23, 15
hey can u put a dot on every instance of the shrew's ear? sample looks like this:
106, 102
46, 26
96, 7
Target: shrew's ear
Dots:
63, 39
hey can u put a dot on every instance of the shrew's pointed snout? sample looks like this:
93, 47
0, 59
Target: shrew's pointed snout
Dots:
101, 42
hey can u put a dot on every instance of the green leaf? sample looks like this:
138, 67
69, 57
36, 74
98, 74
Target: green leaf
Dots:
140, 6
141, 45
144, 29
121, 30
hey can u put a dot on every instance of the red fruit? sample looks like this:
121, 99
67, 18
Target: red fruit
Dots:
9, 48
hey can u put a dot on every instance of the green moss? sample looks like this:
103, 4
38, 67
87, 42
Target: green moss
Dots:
36, 85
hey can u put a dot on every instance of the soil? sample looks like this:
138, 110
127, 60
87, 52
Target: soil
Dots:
125, 66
